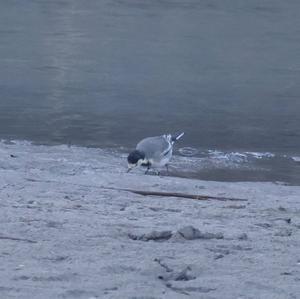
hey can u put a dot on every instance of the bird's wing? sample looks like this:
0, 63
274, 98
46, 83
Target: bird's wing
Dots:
154, 147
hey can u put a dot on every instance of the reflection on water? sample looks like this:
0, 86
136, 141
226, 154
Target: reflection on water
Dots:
107, 73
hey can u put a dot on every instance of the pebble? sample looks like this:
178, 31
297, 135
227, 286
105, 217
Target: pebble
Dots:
154, 236
243, 236
192, 233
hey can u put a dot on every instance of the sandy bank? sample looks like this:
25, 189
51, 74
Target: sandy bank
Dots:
65, 235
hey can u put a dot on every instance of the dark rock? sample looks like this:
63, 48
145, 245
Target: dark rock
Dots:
57, 259
22, 277
243, 236
155, 209
241, 248
282, 209
54, 224
191, 233
235, 207
286, 273
78, 206
111, 289
223, 251
154, 236
264, 225
198, 289
218, 256
211, 236
157, 235
185, 290
183, 275
283, 233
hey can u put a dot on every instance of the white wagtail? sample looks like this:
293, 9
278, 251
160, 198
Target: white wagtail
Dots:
153, 152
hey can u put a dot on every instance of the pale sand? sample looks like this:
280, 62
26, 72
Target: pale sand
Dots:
64, 236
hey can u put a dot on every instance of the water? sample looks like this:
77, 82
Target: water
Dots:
107, 73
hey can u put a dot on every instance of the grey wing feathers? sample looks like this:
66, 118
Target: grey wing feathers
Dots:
154, 147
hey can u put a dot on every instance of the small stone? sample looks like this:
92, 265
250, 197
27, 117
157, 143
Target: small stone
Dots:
157, 235
209, 236
154, 236
286, 273
264, 225
235, 207
282, 209
239, 247
191, 233
220, 251
283, 233
218, 256
54, 224
184, 275
31, 206
22, 277
60, 258
243, 236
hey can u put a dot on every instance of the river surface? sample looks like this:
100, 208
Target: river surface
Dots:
108, 73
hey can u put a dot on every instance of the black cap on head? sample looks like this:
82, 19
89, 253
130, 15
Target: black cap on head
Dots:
135, 156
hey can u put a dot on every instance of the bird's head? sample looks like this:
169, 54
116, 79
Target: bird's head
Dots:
135, 158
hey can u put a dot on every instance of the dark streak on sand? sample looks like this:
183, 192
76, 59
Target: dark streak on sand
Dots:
176, 194
17, 239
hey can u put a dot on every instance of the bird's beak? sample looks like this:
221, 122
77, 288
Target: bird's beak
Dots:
130, 166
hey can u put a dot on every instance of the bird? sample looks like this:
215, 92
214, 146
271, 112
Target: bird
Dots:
153, 152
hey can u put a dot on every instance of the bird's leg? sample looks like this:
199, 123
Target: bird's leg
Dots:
147, 170
167, 167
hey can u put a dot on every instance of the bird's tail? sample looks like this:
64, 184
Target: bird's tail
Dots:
177, 137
